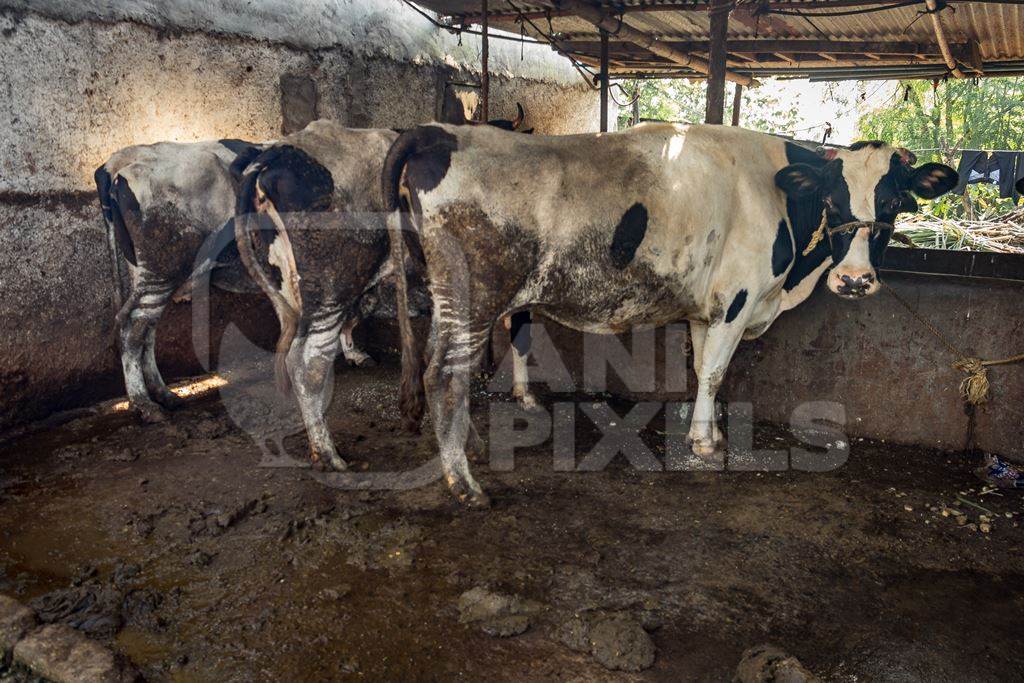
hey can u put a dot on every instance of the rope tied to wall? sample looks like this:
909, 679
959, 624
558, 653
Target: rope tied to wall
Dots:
974, 388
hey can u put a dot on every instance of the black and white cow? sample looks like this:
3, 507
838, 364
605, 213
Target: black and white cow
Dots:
162, 203
311, 231
721, 226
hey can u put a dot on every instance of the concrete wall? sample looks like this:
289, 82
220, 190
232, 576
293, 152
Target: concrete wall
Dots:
893, 378
83, 79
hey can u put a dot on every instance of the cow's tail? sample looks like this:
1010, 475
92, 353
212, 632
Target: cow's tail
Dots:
401, 227
250, 211
119, 241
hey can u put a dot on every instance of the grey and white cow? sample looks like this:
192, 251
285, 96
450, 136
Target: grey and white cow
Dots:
723, 227
163, 204
311, 230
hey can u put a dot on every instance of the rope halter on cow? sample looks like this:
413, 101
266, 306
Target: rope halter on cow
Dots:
824, 229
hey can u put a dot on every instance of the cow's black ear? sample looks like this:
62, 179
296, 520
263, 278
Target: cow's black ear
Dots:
799, 180
931, 180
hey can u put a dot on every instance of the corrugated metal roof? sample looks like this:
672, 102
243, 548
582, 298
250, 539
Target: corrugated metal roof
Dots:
991, 31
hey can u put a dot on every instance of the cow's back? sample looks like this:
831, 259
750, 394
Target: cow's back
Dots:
626, 226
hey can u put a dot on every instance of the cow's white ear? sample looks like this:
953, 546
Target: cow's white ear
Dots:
799, 180
931, 180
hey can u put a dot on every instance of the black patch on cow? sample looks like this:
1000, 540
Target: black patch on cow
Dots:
629, 233
736, 306
236, 146
293, 180
839, 244
861, 144
520, 332
429, 162
891, 196
123, 200
804, 217
798, 154
782, 249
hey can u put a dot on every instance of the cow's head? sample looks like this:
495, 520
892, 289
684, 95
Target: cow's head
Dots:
860, 191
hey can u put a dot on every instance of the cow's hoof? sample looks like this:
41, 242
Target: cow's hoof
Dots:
476, 450
171, 401
709, 451
365, 362
470, 495
151, 414
330, 462
528, 402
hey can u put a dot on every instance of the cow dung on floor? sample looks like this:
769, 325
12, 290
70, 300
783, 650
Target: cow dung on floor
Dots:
211, 568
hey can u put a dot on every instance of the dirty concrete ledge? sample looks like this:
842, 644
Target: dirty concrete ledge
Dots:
54, 652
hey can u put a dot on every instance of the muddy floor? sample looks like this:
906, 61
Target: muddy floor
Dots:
173, 545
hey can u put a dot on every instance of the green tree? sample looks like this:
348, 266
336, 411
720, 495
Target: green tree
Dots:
986, 113
940, 119
684, 101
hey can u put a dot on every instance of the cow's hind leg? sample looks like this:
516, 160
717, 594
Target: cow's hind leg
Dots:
353, 354
520, 334
154, 380
457, 349
137, 320
310, 361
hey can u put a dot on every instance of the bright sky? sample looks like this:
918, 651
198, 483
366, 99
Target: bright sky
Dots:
817, 107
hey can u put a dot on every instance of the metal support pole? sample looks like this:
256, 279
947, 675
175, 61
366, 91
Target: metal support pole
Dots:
485, 75
604, 81
719, 11
737, 99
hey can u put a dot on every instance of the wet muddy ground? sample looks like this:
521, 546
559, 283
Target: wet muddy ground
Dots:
171, 544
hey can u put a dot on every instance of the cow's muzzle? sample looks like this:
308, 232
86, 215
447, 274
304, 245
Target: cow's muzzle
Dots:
855, 287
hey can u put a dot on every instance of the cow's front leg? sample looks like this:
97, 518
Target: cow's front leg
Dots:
698, 332
310, 362
718, 347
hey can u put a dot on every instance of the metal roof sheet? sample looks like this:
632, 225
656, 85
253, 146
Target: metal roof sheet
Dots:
993, 29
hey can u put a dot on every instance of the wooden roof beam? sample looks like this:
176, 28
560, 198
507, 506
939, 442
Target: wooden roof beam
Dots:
790, 47
699, 7
627, 33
